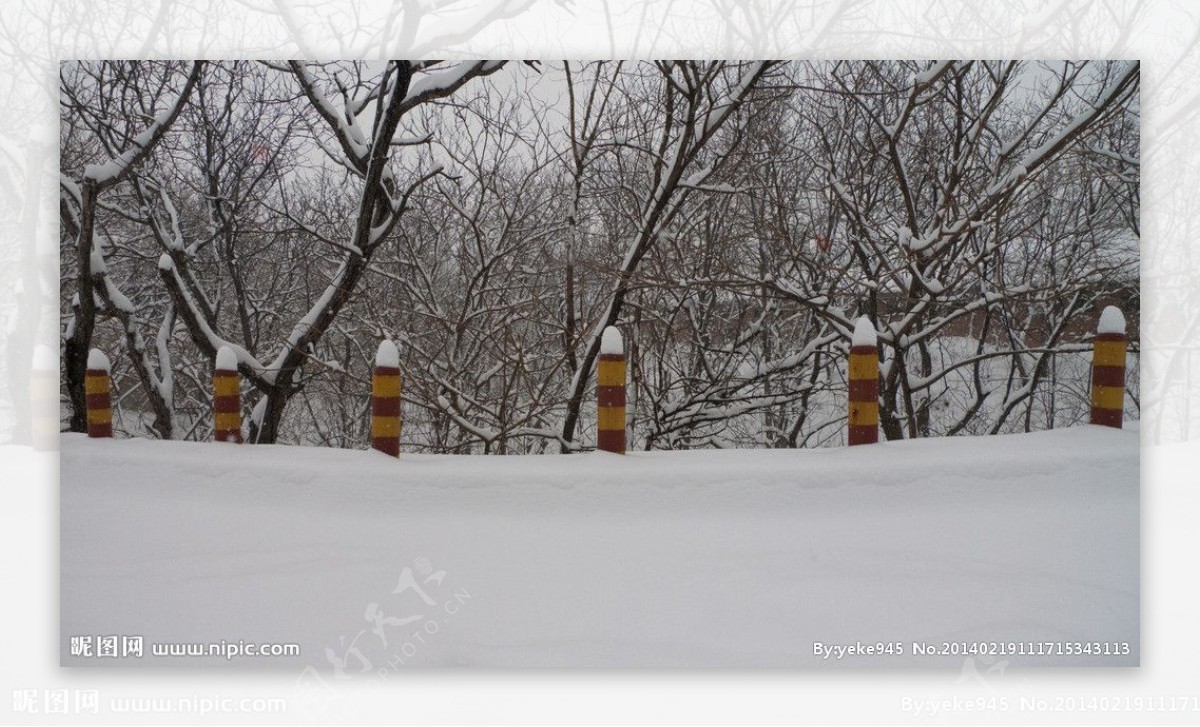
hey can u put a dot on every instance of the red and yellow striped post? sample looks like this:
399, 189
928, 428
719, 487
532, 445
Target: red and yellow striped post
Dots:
1108, 369
97, 385
610, 393
385, 400
227, 398
864, 384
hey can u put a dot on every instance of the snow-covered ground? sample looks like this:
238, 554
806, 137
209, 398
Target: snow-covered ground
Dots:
703, 558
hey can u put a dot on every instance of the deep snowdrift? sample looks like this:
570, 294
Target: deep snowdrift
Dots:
708, 558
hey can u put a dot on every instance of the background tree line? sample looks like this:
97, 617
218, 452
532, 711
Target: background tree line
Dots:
732, 218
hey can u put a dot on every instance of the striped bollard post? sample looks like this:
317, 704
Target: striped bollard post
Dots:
43, 399
227, 398
97, 384
1108, 369
610, 393
385, 400
864, 384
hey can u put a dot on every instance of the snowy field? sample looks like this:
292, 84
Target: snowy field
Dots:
673, 559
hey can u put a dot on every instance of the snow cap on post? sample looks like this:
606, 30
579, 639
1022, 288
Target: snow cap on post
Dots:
1108, 369
97, 361
227, 397
611, 341
1112, 320
97, 386
610, 392
388, 354
864, 385
864, 333
385, 400
226, 359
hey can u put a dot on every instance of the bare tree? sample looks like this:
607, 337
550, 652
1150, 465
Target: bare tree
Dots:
110, 100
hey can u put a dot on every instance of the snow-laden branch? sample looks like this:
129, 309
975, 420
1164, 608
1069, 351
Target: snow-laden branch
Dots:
114, 170
208, 340
1003, 188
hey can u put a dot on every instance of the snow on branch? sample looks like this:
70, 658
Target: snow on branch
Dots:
441, 82
114, 170
1007, 184
208, 340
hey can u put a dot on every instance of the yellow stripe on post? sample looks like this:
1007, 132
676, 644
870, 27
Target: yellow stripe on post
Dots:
96, 384
1108, 397
226, 384
610, 417
864, 366
1108, 353
385, 426
610, 373
864, 413
385, 385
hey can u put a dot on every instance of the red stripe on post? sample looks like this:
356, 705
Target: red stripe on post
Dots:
863, 434
228, 435
99, 401
387, 445
385, 406
611, 440
1110, 337
873, 350
610, 395
1108, 376
1107, 417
